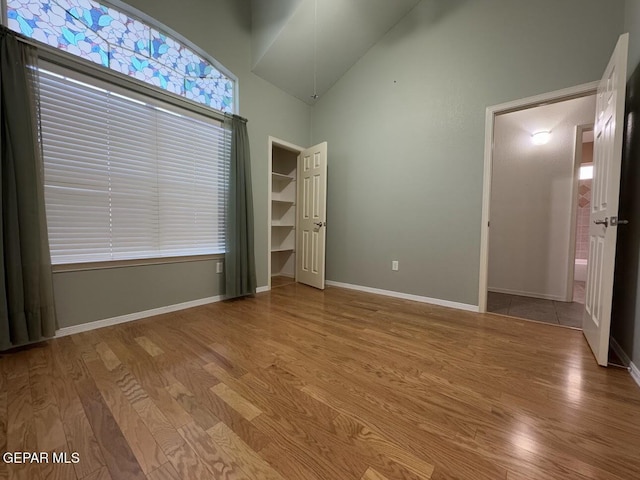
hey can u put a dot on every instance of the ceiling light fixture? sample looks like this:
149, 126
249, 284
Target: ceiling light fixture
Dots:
541, 138
315, 51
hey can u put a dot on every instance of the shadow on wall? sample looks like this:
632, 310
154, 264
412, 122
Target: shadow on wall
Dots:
241, 11
432, 13
625, 318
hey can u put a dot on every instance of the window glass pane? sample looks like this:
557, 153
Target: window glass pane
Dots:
166, 50
194, 66
113, 26
133, 179
192, 185
51, 24
114, 39
147, 70
217, 94
76, 173
127, 176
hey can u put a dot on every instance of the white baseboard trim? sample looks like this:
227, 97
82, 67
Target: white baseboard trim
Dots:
527, 294
615, 346
405, 296
130, 317
633, 370
635, 373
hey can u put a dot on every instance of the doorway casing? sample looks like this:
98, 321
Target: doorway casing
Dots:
578, 91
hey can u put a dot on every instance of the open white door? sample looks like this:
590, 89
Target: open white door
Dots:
312, 207
607, 159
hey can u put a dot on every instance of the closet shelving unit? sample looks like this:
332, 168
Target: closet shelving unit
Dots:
283, 212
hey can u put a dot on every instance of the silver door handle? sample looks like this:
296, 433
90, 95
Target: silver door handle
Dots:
604, 222
320, 224
615, 221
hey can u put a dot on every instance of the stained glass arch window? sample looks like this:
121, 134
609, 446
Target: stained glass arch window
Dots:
118, 40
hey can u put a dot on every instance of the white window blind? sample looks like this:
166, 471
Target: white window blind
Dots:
128, 177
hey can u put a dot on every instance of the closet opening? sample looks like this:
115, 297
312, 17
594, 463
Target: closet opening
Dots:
283, 165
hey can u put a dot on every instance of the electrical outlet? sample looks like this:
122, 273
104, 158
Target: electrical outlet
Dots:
219, 267
394, 265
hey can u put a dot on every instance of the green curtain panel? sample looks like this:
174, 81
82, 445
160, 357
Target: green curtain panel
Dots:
27, 312
239, 259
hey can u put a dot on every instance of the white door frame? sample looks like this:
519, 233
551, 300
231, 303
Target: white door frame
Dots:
578, 91
274, 142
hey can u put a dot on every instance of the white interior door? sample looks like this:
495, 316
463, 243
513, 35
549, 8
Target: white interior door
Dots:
311, 224
607, 158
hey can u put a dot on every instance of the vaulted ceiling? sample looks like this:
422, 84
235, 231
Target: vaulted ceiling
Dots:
283, 39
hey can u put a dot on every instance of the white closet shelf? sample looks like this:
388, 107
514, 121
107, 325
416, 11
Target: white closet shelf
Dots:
282, 177
290, 202
283, 225
283, 249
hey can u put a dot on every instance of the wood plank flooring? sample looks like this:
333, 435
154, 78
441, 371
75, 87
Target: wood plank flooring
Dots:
281, 281
299, 384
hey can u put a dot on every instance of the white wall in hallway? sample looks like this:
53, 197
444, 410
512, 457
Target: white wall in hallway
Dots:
531, 199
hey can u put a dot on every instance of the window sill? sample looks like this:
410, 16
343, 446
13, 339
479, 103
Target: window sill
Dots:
139, 262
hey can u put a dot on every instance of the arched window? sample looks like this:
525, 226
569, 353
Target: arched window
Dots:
117, 40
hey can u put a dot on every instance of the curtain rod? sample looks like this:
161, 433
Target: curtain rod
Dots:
233, 115
19, 36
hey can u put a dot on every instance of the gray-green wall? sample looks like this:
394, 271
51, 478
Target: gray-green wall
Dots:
223, 29
632, 25
405, 128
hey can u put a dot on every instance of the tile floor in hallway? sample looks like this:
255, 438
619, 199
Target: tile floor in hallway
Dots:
549, 311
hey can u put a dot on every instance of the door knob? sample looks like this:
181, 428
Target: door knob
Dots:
604, 222
320, 224
615, 221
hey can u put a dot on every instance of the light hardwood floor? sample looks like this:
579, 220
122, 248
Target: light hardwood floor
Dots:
281, 281
299, 384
